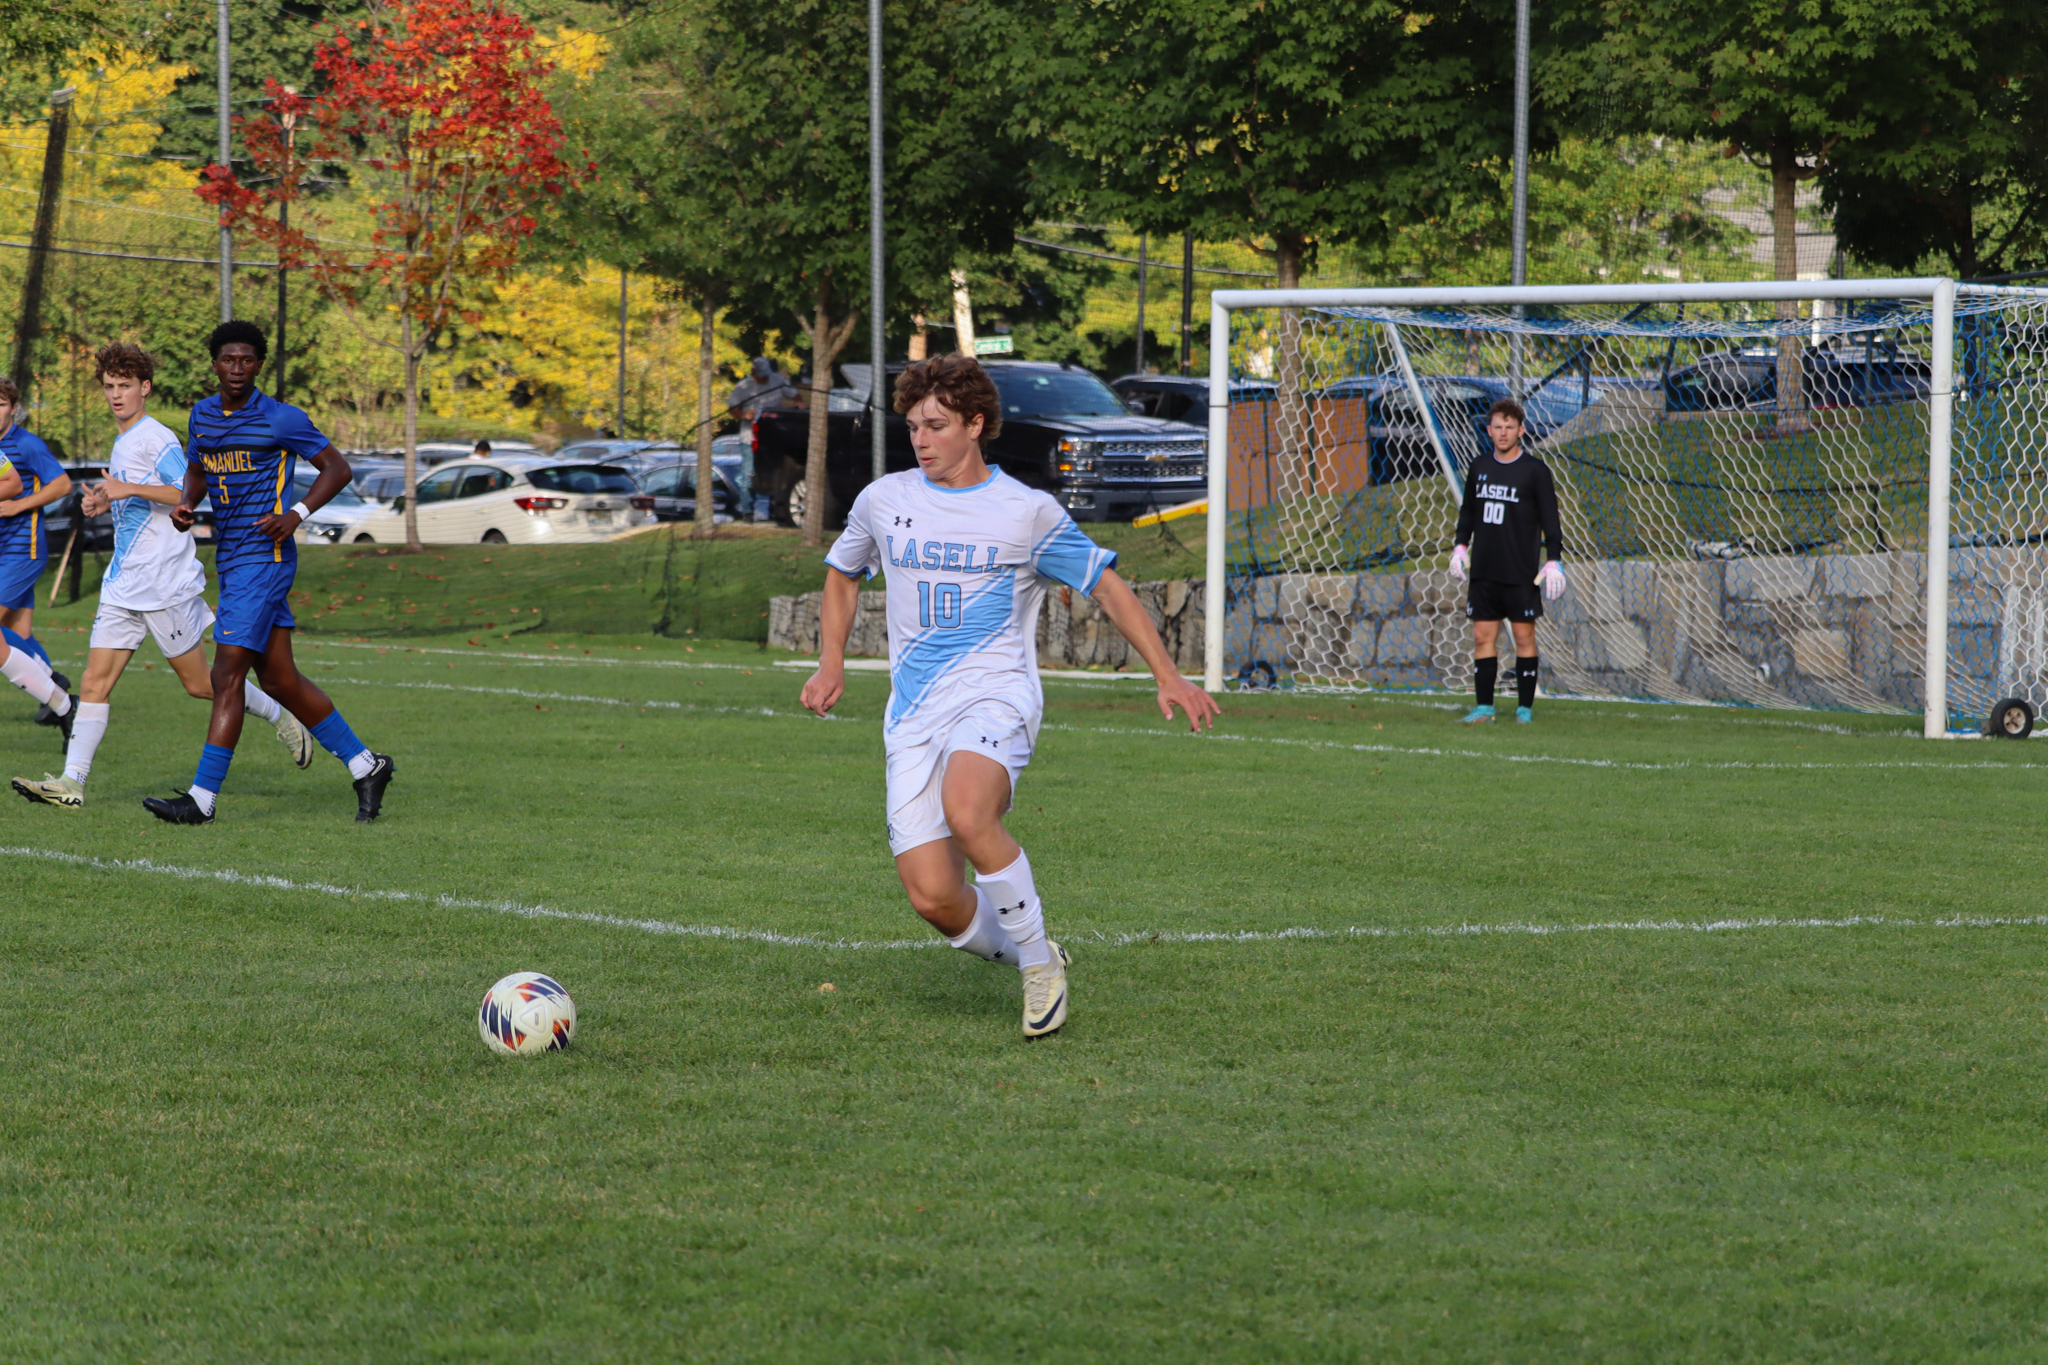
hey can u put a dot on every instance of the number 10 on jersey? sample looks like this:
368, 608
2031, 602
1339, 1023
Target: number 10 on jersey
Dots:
938, 604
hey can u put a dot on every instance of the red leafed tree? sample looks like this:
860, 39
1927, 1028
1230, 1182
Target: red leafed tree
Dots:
434, 109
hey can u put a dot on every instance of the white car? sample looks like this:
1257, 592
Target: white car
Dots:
534, 500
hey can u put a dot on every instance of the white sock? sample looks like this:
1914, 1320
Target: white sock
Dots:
259, 703
985, 937
361, 765
86, 733
205, 799
32, 676
1019, 909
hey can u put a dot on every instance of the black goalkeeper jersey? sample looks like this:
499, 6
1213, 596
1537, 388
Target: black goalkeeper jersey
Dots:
1508, 507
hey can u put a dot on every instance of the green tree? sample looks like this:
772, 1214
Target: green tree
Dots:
1784, 85
1963, 176
743, 167
1286, 123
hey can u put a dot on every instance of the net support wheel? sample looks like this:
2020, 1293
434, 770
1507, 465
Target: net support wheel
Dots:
2012, 718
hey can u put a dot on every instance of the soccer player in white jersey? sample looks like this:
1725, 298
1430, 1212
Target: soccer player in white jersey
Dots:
153, 584
967, 552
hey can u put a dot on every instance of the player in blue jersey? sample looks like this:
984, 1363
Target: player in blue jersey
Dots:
968, 553
242, 446
24, 543
22, 661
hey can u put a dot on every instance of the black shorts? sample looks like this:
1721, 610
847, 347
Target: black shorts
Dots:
1492, 601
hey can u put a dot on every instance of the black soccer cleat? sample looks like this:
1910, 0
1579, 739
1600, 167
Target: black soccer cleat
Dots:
370, 789
58, 678
45, 716
182, 809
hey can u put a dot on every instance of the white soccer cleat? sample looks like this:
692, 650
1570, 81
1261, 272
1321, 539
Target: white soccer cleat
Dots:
1045, 994
52, 791
295, 737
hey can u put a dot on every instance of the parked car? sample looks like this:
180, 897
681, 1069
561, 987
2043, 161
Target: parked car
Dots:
670, 491
63, 514
604, 450
1064, 431
332, 524
1747, 380
435, 453
377, 480
531, 501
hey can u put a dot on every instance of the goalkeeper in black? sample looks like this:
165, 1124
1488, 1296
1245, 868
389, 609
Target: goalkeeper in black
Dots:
1509, 515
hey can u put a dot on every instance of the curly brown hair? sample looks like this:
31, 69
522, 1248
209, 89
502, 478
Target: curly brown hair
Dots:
124, 360
960, 385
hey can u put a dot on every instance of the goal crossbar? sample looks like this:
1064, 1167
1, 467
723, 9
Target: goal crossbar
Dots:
1939, 292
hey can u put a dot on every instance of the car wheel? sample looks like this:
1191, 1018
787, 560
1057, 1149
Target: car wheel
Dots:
494, 537
366, 539
799, 499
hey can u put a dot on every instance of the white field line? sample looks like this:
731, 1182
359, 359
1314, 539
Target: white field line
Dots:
1414, 751
1109, 681
1518, 929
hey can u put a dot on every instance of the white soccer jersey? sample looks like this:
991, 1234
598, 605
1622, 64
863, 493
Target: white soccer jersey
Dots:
966, 571
155, 565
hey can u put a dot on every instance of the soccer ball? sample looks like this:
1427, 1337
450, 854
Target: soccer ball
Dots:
525, 1013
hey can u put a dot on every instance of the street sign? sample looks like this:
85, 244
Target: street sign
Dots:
999, 345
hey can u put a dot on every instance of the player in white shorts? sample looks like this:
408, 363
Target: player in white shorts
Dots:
153, 584
967, 552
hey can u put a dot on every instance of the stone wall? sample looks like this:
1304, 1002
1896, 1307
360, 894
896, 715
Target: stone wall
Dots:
1072, 631
1770, 630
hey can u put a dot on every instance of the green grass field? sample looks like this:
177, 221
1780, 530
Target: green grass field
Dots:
1298, 1113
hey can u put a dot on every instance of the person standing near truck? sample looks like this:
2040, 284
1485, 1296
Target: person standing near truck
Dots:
764, 387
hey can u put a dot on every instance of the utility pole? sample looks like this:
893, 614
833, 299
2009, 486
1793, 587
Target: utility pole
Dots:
1187, 300
284, 220
1139, 366
29, 325
619, 409
878, 386
1519, 267
227, 240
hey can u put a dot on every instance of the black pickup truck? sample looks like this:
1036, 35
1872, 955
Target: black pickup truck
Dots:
1064, 431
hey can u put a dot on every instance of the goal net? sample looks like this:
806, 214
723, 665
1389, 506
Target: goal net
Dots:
1768, 492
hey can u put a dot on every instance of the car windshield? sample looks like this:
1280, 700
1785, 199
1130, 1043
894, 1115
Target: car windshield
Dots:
1054, 393
581, 478
302, 484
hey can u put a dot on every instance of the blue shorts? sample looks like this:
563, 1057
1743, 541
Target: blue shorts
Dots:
18, 575
254, 600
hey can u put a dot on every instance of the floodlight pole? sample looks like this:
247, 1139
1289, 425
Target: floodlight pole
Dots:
1518, 267
1139, 366
878, 388
227, 238
619, 408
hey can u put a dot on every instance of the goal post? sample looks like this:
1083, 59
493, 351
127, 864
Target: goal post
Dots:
1769, 496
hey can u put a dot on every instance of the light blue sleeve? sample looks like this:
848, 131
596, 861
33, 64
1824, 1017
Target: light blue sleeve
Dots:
853, 554
295, 432
170, 465
1064, 555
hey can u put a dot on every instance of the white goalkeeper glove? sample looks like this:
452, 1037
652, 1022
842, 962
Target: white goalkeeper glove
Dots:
1552, 578
1461, 563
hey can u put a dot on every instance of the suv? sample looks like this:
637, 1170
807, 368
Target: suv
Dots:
1064, 431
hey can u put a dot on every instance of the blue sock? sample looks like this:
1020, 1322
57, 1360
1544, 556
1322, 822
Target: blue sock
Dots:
213, 767
27, 644
336, 738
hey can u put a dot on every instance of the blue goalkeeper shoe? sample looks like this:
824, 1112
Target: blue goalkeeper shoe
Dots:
1523, 715
1481, 715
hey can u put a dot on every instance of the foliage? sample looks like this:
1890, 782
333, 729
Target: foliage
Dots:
37, 35
740, 168
437, 107
1292, 121
542, 350
1599, 212
1962, 177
